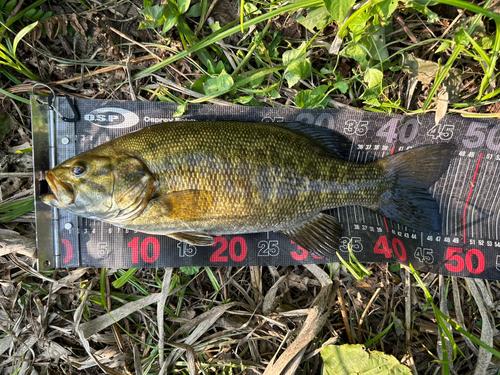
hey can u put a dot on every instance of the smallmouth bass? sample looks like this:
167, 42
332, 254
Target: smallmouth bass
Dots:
193, 180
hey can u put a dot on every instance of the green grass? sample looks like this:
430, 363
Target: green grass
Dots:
266, 68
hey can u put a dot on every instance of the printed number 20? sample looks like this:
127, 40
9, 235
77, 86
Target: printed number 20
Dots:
218, 257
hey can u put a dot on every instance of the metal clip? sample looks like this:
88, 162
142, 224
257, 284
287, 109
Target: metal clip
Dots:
50, 99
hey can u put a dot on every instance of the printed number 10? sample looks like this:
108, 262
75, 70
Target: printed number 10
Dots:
134, 244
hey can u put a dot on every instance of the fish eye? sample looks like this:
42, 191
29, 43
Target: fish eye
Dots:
77, 170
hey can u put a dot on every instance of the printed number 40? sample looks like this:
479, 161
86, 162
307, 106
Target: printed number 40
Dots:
382, 247
406, 134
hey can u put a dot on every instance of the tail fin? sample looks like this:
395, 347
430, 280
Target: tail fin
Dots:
410, 174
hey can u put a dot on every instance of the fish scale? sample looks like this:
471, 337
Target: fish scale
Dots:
269, 161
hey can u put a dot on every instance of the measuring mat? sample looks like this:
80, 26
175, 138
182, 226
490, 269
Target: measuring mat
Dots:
468, 194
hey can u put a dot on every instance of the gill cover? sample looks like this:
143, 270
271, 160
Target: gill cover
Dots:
133, 187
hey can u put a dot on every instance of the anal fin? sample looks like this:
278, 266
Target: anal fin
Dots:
193, 238
319, 235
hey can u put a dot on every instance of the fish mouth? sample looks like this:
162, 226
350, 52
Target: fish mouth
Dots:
63, 195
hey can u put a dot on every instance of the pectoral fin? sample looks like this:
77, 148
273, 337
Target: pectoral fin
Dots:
187, 205
193, 238
319, 235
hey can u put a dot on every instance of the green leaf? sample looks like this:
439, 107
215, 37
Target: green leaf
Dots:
297, 69
183, 5
256, 82
153, 17
373, 77
125, 278
190, 270
215, 26
195, 10
199, 83
431, 16
21, 35
45, 16
39, 15
25, 150
386, 8
486, 42
220, 67
274, 94
181, 108
30, 13
356, 52
251, 9
373, 102
169, 23
354, 359
312, 98
339, 8
316, 18
341, 86
375, 42
358, 24
445, 45
395, 267
243, 99
222, 82
9, 7
292, 54
461, 38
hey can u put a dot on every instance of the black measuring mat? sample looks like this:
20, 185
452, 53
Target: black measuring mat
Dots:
468, 194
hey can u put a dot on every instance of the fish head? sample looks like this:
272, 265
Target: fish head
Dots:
110, 188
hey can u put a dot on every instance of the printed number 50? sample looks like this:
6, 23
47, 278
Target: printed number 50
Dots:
456, 263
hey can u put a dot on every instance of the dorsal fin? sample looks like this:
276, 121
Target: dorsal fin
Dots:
335, 143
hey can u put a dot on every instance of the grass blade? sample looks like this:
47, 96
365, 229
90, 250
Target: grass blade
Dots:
124, 278
21, 35
223, 33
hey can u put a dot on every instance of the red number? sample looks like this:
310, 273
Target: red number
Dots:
382, 247
459, 266
144, 249
216, 256
243, 246
69, 250
303, 253
480, 261
395, 244
134, 244
451, 256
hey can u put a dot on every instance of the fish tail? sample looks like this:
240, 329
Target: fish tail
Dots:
410, 174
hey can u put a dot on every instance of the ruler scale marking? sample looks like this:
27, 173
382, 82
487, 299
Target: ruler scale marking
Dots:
477, 194
486, 198
448, 230
104, 245
468, 196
